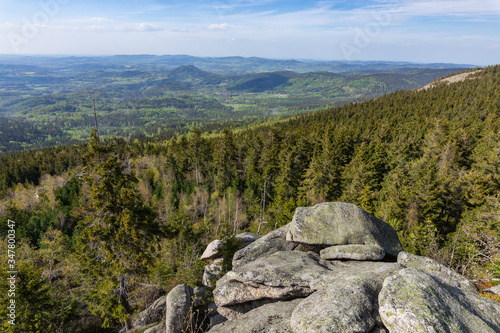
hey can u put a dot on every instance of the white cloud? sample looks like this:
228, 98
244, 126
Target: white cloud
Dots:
98, 19
139, 27
222, 26
7, 26
129, 27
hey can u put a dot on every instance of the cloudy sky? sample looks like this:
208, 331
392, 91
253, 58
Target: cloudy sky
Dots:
458, 31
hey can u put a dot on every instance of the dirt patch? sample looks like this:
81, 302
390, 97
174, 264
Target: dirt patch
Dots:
451, 79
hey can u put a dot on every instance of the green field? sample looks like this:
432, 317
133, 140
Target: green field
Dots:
45, 102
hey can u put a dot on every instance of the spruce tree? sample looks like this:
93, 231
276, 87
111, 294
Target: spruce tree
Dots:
117, 234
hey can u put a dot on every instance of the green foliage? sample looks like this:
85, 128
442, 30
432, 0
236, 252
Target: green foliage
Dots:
118, 233
145, 101
39, 306
424, 161
230, 245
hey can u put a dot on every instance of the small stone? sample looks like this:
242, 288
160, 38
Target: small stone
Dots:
212, 273
493, 290
212, 250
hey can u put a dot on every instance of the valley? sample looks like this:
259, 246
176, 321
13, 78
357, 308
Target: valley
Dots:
48, 101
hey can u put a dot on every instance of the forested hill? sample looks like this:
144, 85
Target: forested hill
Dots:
427, 162
54, 105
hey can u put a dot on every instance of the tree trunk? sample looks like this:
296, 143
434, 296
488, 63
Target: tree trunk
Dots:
124, 301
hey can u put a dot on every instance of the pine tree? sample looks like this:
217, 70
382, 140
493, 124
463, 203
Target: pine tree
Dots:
117, 233
225, 161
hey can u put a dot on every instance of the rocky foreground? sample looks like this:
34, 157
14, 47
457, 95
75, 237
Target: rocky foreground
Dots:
334, 268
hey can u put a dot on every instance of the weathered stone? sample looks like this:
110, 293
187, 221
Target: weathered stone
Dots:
216, 320
269, 318
353, 252
427, 264
152, 314
232, 312
493, 290
247, 237
349, 303
281, 275
212, 250
212, 273
309, 248
346, 269
155, 329
338, 223
416, 301
272, 242
179, 302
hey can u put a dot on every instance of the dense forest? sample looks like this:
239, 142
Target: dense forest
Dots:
97, 219
52, 101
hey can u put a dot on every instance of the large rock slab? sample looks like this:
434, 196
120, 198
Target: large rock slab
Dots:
279, 276
179, 304
338, 223
427, 264
416, 301
247, 237
269, 318
349, 303
353, 252
272, 242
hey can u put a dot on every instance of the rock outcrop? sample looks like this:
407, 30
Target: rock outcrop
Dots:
336, 268
272, 242
269, 318
430, 266
353, 252
347, 303
338, 223
279, 276
415, 301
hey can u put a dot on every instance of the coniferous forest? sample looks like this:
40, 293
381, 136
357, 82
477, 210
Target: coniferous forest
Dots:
104, 228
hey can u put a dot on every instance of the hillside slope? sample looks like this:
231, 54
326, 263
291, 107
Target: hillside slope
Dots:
426, 162
49, 106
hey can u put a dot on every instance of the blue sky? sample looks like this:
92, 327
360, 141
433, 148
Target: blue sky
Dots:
459, 31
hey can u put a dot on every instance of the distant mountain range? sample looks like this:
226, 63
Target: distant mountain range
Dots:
50, 100
222, 65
